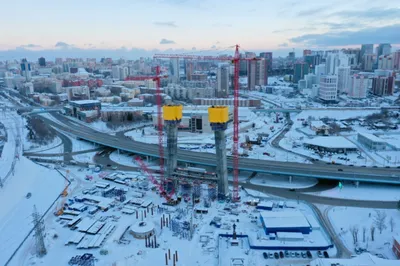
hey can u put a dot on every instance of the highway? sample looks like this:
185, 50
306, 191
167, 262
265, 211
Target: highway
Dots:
324, 171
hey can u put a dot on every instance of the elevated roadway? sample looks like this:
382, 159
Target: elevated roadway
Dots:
321, 171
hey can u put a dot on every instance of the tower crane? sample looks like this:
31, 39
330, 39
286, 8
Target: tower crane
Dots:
236, 62
157, 78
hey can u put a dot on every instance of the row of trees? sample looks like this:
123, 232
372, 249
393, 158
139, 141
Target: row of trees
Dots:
379, 222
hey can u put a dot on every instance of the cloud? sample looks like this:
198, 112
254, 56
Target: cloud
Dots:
170, 24
165, 41
293, 29
213, 47
313, 11
30, 46
389, 34
370, 14
343, 26
63, 45
285, 44
222, 25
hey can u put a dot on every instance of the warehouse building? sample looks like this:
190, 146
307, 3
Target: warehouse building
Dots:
334, 144
86, 110
291, 221
371, 141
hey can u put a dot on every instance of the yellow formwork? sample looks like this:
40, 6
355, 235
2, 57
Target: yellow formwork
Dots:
218, 114
172, 112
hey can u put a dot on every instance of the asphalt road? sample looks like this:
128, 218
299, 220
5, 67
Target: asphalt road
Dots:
327, 171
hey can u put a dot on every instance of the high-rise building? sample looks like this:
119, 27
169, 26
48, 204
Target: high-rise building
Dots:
115, 72
311, 79
188, 66
268, 57
320, 70
42, 62
257, 73
396, 60
26, 69
368, 62
354, 55
223, 80
123, 73
307, 52
291, 57
59, 61
300, 69
366, 49
358, 86
343, 74
174, 70
385, 62
328, 88
242, 66
383, 85
383, 49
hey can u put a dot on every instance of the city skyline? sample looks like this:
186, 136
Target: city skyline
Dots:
141, 28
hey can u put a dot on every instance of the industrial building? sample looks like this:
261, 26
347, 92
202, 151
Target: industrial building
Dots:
371, 141
289, 221
86, 110
335, 144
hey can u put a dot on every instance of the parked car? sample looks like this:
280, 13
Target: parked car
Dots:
309, 255
287, 254
270, 255
319, 253
114, 167
281, 255
28, 195
340, 170
326, 255
303, 255
297, 254
265, 255
276, 255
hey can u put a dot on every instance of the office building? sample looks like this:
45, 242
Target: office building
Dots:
328, 88
300, 69
306, 52
42, 62
366, 49
26, 70
383, 49
396, 60
358, 86
268, 57
368, 62
257, 73
115, 72
354, 56
343, 74
223, 80
174, 70
383, 85
320, 70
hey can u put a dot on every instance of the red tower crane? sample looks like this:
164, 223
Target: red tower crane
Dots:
236, 62
157, 79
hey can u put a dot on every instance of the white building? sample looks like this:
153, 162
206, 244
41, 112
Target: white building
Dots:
335, 60
115, 72
26, 70
311, 79
320, 70
386, 62
328, 88
123, 73
315, 90
358, 86
181, 93
343, 74
222, 80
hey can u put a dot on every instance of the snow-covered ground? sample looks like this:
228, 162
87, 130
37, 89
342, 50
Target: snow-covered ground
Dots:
54, 147
85, 157
15, 214
362, 192
343, 218
283, 181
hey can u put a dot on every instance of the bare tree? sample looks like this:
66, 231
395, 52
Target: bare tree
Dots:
354, 232
392, 224
380, 220
372, 232
364, 233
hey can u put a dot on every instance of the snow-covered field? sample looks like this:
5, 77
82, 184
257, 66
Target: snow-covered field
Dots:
283, 181
15, 214
54, 147
343, 218
363, 192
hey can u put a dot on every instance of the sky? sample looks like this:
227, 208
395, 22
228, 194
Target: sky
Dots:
133, 28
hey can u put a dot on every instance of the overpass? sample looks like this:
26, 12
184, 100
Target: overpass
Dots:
321, 171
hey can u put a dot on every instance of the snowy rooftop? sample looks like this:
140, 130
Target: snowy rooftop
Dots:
371, 137
365, 259
292, 218
85, 101
331, 142
317, 123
